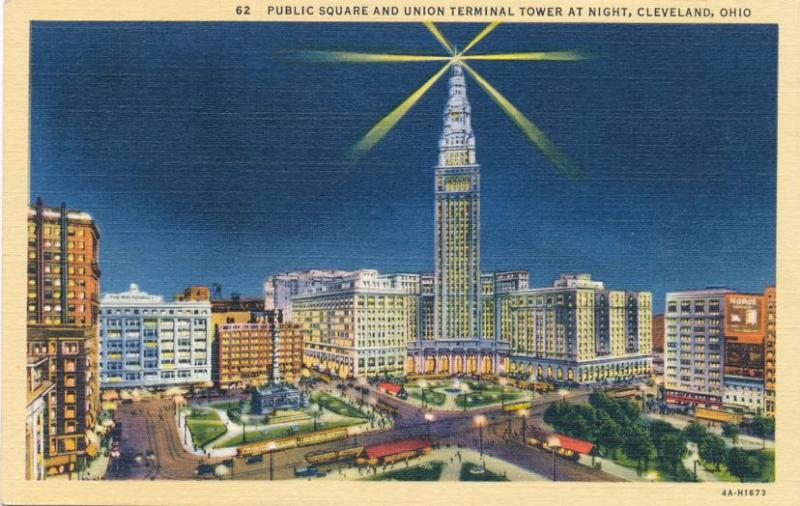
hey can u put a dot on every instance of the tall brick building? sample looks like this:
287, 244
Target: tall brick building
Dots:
62, 308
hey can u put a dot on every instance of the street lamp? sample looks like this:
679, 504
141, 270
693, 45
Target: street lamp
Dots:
423, 385
272, 447
642, 389
524, 413
480, 421
553, 442
362, 381
428, 419
315, 412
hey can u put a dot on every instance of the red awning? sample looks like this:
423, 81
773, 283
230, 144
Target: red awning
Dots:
382, 450
575, 445
389, 388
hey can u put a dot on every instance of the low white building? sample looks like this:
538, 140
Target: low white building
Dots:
146, 342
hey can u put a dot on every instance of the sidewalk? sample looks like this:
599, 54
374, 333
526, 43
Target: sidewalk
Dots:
688, 463
611, 467
743, 440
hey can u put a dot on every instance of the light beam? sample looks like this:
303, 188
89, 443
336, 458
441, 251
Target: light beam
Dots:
439, 36
481, 36
566, 166
352, 57
532, 56
388, 122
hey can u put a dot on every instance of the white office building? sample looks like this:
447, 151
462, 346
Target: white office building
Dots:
146, 342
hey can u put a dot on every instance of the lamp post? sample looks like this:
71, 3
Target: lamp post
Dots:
428, 419
695, 469
423, 385
315, 413
480, 421
523, 413
361, 383
503, 382
642, 393
553, 442
272, 447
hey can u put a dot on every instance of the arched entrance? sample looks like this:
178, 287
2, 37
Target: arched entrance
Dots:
472, 364
430, 364
444, 364
486, 365
458, 365
410, 365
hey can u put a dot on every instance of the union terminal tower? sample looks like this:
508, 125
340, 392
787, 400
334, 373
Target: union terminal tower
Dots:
459, 343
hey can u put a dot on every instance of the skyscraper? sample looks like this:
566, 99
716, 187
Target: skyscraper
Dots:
62, 303
458, 344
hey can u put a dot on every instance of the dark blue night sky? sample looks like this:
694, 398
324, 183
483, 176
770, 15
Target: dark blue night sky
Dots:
207, 153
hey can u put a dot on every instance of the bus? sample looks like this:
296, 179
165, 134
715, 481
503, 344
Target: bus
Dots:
622, 393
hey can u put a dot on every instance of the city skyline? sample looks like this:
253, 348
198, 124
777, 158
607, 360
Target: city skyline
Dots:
298, 204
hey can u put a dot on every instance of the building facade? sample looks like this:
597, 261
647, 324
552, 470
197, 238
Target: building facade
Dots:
40, 402
279, 289
694, 341
360, 325
577, 331
770, 300
62, 307
251, 353
147, 342
71, 354
659, 323
458, 343
743, 359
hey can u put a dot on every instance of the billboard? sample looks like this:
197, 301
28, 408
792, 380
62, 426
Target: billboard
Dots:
744, 318
745, 360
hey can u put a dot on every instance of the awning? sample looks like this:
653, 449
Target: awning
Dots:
575, 445
382, 450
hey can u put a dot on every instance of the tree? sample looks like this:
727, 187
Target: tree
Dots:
695, 432
763, 427
730, 430
610, 435
712, 450
673, 449
638, 445
739, 463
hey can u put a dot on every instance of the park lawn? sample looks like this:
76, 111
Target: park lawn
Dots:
722, 474
225, 405
338, 406
485, 398
205, 431
486, 475
426, 472
665, 473
202, 414
431, 396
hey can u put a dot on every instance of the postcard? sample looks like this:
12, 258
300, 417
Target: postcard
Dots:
406, 252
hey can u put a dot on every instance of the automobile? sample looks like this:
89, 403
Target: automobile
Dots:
253, 459
350, 384
302, 472
204, 471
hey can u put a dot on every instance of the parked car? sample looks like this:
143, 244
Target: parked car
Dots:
253, 459
302, 472
205, 471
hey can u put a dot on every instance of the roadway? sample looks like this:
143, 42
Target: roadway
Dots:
149, 429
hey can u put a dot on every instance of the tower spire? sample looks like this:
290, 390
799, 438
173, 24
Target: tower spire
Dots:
457, 143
